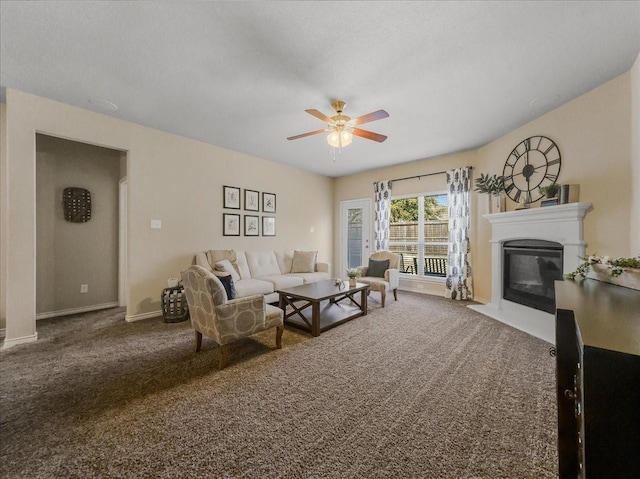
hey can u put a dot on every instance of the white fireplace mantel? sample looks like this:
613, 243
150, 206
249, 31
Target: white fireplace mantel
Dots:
561, 224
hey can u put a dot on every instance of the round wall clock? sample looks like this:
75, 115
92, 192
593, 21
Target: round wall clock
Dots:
535, 162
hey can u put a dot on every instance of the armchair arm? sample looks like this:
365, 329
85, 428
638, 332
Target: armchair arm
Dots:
245, 301
392, 276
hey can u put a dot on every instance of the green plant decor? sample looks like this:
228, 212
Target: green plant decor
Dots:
354, 272
549, 191
491, 184
615, 267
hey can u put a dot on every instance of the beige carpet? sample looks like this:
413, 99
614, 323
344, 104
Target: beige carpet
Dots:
425, 388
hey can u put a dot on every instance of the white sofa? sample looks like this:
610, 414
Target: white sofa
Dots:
263, 272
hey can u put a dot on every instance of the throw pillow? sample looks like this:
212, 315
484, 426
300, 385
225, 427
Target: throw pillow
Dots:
227, 281
226, 266
304, 261
377, 267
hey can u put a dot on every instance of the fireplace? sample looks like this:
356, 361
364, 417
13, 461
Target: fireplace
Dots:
530, 249
529, 269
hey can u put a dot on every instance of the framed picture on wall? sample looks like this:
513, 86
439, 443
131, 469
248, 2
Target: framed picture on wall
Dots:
231, 197
230, 224
269, 202
268, 226
251, 200
251, 225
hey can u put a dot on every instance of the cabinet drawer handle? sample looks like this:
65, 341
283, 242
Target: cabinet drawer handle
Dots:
569, 394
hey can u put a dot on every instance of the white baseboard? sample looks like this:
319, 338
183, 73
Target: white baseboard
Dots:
8, 343
138, 317
83, 309
481, 300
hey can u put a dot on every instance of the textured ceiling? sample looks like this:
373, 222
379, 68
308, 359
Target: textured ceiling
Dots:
452, 75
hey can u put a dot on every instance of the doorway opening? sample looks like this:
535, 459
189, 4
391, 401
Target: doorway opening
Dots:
79, 261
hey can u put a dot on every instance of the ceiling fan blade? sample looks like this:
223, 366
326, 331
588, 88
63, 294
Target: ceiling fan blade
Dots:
369, 135
376, 115
317, 132
320, 116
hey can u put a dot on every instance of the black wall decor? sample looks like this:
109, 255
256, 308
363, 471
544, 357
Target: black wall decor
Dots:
76, 204
533, 163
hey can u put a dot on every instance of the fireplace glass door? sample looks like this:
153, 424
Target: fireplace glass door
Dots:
530, 268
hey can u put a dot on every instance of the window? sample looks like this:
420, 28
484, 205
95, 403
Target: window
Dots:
419, 233
354, 238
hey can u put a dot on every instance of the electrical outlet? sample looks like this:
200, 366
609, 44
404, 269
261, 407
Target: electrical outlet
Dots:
84, 288
156, 224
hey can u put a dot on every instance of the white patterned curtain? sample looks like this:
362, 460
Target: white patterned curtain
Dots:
382, 214
459, 284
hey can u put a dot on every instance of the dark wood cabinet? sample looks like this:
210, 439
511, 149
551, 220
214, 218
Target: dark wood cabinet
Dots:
598, 380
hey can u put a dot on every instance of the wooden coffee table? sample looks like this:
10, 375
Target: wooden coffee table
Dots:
325, 305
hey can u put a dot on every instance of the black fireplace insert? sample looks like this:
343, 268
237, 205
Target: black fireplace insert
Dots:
530, 268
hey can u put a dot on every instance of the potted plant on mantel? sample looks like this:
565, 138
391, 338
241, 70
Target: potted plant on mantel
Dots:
493, 185
550, 191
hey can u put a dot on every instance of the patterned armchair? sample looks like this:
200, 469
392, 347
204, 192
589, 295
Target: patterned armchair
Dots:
389, 279
223, 320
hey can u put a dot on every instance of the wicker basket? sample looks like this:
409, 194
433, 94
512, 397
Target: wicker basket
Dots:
174, 305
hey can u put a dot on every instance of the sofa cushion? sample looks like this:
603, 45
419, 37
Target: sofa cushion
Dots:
215, 255
375, 283
243, 267
262, 263
227, 281
281, 281
304, 261
285, 258
249, 286
377, 267
226, 266
311, 277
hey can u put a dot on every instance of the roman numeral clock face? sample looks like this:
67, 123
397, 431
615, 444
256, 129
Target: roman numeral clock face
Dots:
535, 162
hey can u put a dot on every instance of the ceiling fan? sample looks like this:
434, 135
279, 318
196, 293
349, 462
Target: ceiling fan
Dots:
341, 128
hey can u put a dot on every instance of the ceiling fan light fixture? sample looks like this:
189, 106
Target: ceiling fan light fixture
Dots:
339, 138
341, 127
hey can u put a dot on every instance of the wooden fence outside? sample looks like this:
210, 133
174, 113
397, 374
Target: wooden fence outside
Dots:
435, 231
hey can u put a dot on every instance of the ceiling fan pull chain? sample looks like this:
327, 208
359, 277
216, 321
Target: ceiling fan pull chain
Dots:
333, 150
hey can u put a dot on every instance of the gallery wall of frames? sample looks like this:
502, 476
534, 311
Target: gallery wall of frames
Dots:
250, 222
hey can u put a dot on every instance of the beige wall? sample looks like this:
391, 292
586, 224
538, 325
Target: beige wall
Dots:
179, 181
634, 219
71, 254
361, 186
170, 178
594, 138
593, 135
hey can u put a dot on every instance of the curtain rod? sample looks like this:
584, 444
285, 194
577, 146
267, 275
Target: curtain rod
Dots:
427, 174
